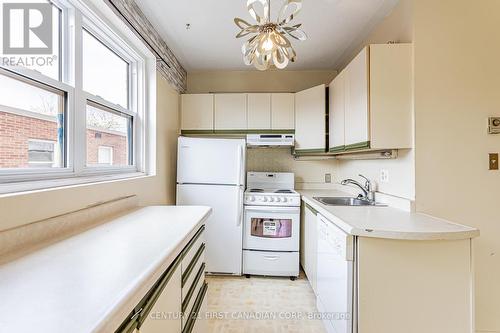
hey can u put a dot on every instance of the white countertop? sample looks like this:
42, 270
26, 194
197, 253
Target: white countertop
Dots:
92, 281
386, 222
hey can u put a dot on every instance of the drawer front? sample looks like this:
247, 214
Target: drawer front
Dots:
271, 263
191, 249
190, 280
196, 320
189, 299
189, 272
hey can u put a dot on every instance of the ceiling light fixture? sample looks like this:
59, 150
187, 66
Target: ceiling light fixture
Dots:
270, 46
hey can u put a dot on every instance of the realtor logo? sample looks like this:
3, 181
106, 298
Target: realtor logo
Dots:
27, 28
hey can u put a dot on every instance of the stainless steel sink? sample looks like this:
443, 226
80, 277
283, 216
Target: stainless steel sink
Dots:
346, 201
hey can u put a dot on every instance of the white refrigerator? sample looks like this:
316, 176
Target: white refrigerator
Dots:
211, 172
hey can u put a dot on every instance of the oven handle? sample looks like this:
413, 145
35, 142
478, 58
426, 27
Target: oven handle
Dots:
267, 209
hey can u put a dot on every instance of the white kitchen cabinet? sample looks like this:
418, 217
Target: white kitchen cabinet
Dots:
230, 112
392, 285
309, 244
356, 116
310, 120
197, 112
180, 289
337, 113
283, 111
168, 302
259, 111
375, 93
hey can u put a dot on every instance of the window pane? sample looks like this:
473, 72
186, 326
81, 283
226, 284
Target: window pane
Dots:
105, 74
48, 64
108, 137
31, 124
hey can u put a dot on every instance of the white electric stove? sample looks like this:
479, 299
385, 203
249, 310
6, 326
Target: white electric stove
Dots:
272, 225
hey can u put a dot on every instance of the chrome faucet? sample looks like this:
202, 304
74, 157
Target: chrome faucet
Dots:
368, 192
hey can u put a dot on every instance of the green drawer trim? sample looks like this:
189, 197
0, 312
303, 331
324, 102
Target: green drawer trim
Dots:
311, 209
337, 149
268, 131
148, 301
254, 131
192, 242
201, 272
360, 145
196, 309
156, 291
192, 264
308, 151
237, 131
195, 132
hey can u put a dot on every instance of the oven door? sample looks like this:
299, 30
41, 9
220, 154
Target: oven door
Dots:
271, 228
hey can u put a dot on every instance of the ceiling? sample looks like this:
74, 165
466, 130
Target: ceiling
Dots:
335, 28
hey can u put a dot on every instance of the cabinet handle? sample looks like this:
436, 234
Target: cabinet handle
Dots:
271, 257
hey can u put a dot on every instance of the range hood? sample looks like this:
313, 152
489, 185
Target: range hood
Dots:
270, 140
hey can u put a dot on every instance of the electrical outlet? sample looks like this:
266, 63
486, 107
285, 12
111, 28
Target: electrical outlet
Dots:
494, 161
384, 176
328, 177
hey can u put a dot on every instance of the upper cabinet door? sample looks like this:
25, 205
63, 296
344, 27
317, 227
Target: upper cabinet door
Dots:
230, 111
283, 111
310, 120
197, 112
259, 111
391, 96
357, 112
337, 113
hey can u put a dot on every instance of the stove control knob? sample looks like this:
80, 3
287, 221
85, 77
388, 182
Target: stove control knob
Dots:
271, 199
252, 198
285, 199
264, 199
278, 199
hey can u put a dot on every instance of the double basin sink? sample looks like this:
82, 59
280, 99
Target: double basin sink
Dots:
346, 201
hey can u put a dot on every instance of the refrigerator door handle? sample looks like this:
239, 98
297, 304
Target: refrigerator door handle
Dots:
240, 208
239, 164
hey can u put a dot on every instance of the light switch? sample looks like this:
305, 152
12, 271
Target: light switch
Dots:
494, 161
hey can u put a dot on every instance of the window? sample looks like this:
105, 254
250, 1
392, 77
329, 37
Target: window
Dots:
105, 155
105, 74
41, 153
111, 129
29, 110
81, 111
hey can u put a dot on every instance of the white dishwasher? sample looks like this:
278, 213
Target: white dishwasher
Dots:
335, 279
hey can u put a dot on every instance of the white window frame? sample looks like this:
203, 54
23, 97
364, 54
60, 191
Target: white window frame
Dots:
102, 23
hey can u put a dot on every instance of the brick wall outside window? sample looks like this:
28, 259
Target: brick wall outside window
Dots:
16, 130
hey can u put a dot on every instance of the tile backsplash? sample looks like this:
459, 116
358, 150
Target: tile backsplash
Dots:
309, 174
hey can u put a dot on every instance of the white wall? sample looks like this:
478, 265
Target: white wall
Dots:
16, 210
457, 86
398, 27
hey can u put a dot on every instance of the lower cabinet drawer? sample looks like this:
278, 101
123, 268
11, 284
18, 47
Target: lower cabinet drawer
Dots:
164, 314
271, 263
190, 279
192, 249
196, 320
201, 324
189, 297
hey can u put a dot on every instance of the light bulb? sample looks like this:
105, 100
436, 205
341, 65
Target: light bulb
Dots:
268, 44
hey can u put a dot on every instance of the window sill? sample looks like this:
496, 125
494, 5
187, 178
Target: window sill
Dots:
27, 187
